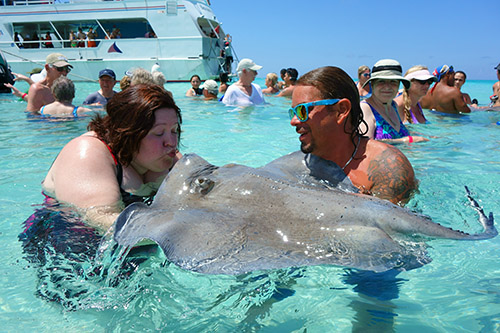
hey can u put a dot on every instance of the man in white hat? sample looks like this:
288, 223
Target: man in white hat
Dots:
444, 96
244, 92
40, 93
210, 89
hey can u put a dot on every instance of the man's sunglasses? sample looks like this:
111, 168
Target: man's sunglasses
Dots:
66, 69
367, 74
302, 110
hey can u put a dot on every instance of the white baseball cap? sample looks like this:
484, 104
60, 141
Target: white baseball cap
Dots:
247, 64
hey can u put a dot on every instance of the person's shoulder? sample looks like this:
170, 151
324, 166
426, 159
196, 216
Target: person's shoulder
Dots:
390, 171
232, 88
256, 86
86, 140
399, 100
37, 86
94, 97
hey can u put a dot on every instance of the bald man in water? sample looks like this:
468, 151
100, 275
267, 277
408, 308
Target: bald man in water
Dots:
444, 96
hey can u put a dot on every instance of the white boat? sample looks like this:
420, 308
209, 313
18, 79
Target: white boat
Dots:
183, 37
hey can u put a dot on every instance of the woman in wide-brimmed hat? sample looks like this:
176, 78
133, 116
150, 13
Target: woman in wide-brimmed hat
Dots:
409, 107
379, 110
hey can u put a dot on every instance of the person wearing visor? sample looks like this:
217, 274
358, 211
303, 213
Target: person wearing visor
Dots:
107, 81
244, 92
409, 107
380, 111
444, 96
40, 92
327, 115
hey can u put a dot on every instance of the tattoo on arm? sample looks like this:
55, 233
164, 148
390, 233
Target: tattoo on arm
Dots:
392, 176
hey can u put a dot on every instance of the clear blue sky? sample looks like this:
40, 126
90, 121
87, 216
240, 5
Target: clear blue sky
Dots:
350, 33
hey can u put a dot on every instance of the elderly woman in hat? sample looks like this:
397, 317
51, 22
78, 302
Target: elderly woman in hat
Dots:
379, 110
409, 107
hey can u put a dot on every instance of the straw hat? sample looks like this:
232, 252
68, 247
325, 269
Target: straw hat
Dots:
388, 69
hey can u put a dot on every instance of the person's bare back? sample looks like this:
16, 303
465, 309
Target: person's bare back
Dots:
39, 95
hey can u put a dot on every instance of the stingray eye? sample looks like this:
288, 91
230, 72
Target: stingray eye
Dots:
204, 185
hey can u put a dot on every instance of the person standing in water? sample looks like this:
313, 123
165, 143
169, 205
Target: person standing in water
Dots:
244, 92
444, 96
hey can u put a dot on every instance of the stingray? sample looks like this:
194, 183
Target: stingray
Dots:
298, 210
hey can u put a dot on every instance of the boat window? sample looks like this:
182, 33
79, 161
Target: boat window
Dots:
209, 28
86, 33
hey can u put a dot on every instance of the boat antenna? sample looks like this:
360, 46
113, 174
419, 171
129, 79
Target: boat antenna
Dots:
42, 64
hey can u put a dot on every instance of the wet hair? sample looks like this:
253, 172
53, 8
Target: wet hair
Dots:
406, 95
195, 75
63, 89
130, 117
362, 69
125, 82
294, 74
223, 77
273, 77
334, 83
159, 78
463, 73
141, 76
283, 71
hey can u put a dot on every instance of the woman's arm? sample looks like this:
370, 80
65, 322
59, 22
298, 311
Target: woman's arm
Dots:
406, 139
84, 175
16, 92
369, 119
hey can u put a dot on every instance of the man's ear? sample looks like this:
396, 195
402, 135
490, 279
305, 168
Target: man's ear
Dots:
344, 109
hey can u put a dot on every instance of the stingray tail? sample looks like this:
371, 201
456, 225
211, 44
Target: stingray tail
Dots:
487, 222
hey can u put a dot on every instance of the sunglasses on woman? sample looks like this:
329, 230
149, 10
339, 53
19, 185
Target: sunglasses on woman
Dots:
422, 82
302, 110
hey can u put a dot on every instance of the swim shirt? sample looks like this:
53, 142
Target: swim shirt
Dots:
384, 130
75, 113
97, 98
235, 96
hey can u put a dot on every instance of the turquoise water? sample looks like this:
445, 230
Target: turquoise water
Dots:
458, 291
